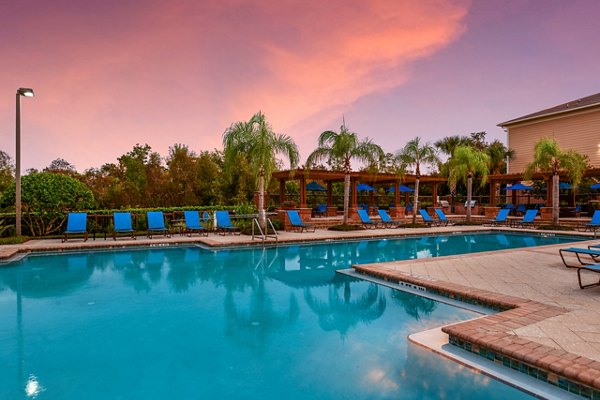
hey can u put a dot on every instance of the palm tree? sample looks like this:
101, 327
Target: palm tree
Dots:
339, 149
417, 154
499, 154
467, 162
548, 158
256, 141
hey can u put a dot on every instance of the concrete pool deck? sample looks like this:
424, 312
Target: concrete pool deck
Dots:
547, 322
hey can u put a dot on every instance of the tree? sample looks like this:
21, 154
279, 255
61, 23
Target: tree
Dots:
467, 162
549, 159
143, 177
416, 154
256, 141
339, 149
6, 171
498, 153
182, 173
46, 197
61, 166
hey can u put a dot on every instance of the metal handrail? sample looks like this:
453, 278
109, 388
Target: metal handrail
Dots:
264, 236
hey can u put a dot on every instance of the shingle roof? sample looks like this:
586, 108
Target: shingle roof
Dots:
584, 102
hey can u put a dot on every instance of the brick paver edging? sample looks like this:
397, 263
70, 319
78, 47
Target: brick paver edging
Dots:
491, 336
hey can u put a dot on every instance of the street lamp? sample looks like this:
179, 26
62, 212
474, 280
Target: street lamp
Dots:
27, 92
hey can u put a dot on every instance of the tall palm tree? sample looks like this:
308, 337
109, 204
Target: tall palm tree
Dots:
467, 162
339, 149
548, 158
416, 154
256, 141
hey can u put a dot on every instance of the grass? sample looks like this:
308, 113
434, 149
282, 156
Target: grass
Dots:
14, 240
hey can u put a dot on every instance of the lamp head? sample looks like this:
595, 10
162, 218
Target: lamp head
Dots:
27, 92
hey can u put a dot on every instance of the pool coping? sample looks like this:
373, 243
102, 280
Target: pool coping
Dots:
490, 336
8, 252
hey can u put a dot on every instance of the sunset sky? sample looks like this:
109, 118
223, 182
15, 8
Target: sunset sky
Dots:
109, 74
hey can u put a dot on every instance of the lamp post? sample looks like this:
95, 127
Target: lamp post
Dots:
27, 92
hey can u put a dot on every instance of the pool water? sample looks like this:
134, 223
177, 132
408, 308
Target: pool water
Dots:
192, 323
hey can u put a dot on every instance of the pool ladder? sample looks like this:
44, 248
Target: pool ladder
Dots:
264, 235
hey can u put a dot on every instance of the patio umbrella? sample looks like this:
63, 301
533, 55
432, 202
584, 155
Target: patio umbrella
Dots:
403, 189
315, 187
518, 186
595, 186
364, 187
562, 186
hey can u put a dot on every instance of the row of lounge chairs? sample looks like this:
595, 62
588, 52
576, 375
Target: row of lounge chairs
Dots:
123, 224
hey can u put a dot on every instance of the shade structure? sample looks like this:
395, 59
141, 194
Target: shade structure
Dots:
315, 187
595, 186
362, 187
403, 189
518, 186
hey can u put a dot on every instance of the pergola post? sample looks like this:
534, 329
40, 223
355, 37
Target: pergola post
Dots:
302, 191
329, 194
281, 190
434, 194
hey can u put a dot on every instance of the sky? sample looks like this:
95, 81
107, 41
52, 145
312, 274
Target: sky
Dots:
109, 74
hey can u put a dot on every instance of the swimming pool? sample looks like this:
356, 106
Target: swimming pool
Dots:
191, 323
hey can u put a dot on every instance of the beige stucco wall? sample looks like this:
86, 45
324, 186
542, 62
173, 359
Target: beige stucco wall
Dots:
577, 131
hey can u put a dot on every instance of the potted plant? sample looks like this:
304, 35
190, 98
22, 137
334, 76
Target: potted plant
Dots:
288, 205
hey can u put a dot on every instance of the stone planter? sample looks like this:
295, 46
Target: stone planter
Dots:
546, 213
397, 212
491, 212
331, 211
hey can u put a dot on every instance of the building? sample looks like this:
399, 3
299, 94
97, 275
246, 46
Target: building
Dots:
574, 125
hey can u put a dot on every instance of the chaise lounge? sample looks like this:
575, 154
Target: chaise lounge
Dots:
296, 222
192, 223
122, 224
583, 265
156, 223
365, 220
224, 224
76, 225
386, 221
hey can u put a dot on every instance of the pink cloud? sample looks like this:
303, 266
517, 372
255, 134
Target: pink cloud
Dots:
117, 74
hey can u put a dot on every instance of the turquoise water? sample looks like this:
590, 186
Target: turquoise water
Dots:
191, 323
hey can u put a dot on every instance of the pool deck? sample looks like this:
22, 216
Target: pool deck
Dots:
548, 322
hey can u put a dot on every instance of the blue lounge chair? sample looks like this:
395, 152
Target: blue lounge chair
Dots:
583, 265
224, 224
123, 224
593, 253
528, 219
594, 223
297, 223
192, 223
76, 225
443, 221
387, 221
365, 220
521, 209
500, 217
426, 218
510, 207
321, 209
156, 223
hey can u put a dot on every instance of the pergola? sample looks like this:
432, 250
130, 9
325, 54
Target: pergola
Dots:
329, 177
495, 180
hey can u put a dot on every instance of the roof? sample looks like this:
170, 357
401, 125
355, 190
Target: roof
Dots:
582, 103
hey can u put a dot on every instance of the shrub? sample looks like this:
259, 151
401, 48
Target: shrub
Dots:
346, 228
